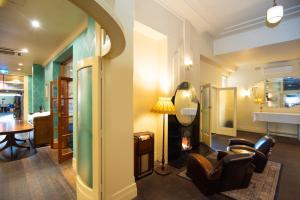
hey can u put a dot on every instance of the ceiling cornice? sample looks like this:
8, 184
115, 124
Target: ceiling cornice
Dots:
172, 11
288, 13
66, 42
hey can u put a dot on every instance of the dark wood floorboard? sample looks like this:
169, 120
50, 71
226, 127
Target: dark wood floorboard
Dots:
286, 151
36, 176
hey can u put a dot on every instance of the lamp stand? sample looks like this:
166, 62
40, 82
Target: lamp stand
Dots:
163, 170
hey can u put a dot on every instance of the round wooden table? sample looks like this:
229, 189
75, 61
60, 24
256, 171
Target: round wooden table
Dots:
10, 129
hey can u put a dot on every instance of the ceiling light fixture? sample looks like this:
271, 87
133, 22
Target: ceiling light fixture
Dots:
20, 64
24, 50
35, 24
19, 69
275, 13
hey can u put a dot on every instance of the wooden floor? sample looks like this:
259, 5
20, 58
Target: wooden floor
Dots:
36, 176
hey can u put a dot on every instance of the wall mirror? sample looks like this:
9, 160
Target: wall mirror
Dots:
282, 92
186, 103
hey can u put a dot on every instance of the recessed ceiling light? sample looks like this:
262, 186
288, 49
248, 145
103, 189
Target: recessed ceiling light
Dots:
24, 50
20, 64
19, 69
35, 24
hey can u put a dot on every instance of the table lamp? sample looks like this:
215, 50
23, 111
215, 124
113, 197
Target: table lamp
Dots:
259, 101
163, 106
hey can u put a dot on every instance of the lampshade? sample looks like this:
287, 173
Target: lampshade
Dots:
164, 105
258, 100
274, 14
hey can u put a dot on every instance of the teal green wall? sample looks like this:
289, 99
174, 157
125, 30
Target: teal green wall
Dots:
82, 47
30, 109
38, 83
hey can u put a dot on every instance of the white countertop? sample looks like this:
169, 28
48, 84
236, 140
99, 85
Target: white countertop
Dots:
287, 118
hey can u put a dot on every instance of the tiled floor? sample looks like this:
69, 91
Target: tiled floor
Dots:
286, 151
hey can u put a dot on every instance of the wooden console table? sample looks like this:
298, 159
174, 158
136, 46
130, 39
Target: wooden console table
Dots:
10, 129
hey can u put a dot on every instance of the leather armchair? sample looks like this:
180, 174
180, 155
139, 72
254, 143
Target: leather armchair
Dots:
231, 171
262, 150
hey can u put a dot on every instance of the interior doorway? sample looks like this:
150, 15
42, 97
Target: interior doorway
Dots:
11, 97
218, 112
61, 110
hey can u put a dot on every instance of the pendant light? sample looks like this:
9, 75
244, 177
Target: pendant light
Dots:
275, 13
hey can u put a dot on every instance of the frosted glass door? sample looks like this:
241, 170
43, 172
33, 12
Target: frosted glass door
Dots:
85, 126
226, 111
206, 115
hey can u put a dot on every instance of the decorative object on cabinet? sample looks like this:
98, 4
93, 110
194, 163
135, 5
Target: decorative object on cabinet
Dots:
163, 106
143, 154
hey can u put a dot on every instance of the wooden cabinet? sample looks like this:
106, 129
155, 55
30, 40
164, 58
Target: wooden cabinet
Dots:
143, 154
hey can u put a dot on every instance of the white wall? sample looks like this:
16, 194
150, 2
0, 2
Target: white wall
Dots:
118, 163
245, 78
183, 40
149, 61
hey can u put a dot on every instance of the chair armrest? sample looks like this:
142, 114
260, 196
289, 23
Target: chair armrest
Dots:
222, 154
240, 141
247, 148
202, 165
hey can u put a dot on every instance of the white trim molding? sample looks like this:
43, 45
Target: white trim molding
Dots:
74, 164
128, 192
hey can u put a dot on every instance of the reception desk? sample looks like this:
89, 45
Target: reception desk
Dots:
272, 117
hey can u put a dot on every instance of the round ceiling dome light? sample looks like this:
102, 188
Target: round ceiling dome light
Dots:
35, 24
275, 13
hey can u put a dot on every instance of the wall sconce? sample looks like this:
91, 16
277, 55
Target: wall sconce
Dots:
188, 63
245, 93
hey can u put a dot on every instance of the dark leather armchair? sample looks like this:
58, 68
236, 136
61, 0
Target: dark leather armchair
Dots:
231, 171
262, 150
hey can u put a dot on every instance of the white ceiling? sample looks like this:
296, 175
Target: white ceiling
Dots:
58, 18
219, 17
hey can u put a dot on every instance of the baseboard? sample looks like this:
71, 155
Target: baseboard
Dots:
253, 129
74, 163
129, 192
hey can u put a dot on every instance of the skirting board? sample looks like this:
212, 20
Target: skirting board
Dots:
129, 192
74, 164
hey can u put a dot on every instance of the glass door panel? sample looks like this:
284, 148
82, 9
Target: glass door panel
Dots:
54, 113
85, 130
206, 114
65, 119
226, 111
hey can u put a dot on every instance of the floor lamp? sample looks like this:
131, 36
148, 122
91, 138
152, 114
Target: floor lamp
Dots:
163, 106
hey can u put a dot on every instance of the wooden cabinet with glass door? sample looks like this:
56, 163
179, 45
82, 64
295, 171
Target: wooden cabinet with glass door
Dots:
62, 115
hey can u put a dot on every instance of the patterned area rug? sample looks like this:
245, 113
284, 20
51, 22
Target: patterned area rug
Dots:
262, 187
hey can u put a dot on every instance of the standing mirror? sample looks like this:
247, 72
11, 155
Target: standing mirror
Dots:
183, 128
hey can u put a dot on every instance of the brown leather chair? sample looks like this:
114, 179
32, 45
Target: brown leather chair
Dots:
262, 150
42, 130
231, 171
